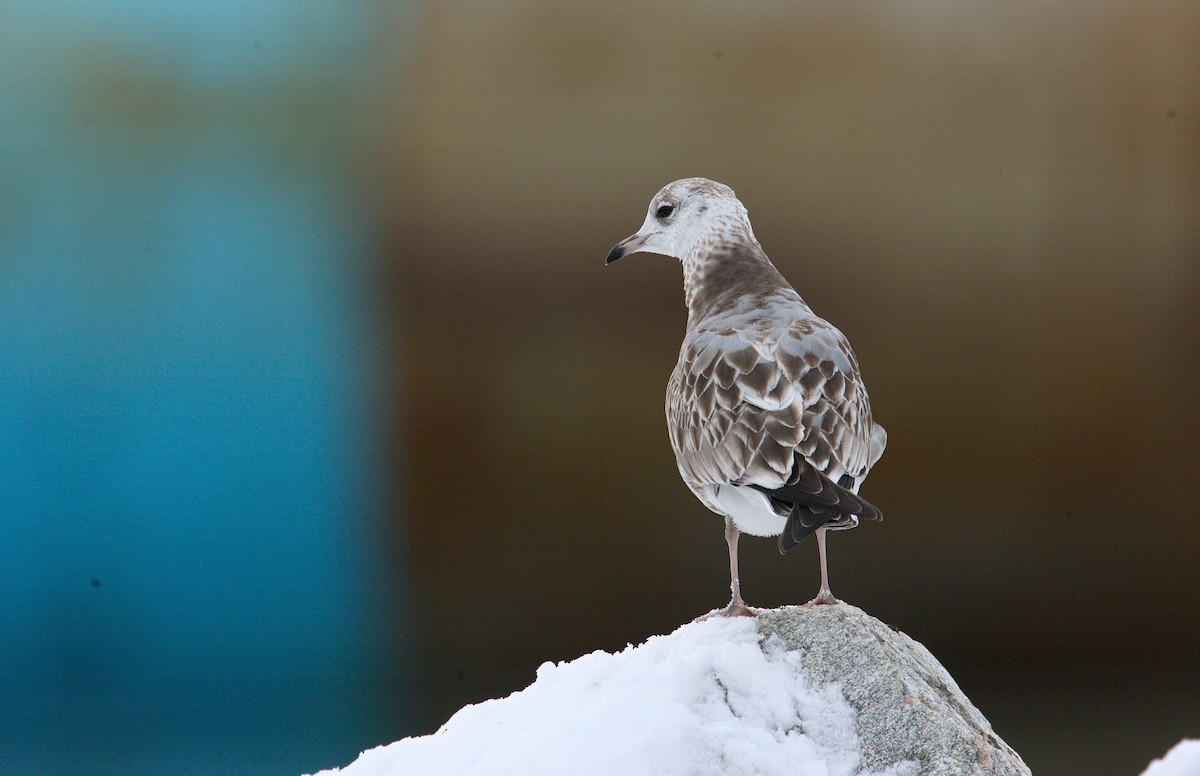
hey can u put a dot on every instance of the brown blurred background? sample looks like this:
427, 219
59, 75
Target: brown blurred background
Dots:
997, 202
321, 415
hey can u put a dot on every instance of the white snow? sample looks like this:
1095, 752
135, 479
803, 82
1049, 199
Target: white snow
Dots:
1182, 760
706, 699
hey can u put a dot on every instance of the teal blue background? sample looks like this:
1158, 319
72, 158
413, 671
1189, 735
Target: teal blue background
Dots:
195, 571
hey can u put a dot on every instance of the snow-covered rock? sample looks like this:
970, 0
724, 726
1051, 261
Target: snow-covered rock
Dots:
907, 706
827, 691
1182, 760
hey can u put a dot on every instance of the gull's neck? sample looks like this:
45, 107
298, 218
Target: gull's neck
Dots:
726, 268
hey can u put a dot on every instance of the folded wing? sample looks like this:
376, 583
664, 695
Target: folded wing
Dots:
781, 410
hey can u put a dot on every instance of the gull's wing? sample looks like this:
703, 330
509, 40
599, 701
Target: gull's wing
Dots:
781, 409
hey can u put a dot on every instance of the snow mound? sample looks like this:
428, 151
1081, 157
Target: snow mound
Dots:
714, 697
1182, 760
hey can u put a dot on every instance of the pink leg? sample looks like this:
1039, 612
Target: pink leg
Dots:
737, 607
824, 596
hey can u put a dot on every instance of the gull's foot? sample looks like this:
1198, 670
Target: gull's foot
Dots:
735, 609
824, 598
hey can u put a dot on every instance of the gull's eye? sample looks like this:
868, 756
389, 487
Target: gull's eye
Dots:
664, 210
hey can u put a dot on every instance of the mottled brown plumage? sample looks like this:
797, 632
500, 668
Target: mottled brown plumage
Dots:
767, 413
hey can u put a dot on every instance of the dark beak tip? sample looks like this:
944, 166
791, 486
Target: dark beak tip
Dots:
617, 252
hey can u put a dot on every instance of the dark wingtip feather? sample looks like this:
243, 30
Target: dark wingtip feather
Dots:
802, 521
816, 501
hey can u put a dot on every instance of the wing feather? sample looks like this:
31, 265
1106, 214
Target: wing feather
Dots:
781, 409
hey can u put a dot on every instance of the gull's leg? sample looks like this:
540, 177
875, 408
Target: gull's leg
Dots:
823, 595
737, 607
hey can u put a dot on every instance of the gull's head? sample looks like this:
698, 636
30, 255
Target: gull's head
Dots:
682, 216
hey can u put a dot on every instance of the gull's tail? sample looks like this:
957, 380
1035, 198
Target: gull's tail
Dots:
812, 500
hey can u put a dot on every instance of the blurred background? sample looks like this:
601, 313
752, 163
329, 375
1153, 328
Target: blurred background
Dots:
320, 415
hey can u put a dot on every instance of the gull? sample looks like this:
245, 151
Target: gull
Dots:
766, 411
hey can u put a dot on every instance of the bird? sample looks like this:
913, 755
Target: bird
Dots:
766, 408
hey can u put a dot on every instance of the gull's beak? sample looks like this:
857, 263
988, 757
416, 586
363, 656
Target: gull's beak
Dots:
631, 244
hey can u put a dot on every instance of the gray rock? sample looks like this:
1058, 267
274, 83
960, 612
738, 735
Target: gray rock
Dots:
909, 707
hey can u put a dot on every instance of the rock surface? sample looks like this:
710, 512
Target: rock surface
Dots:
828, 691
908, 706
